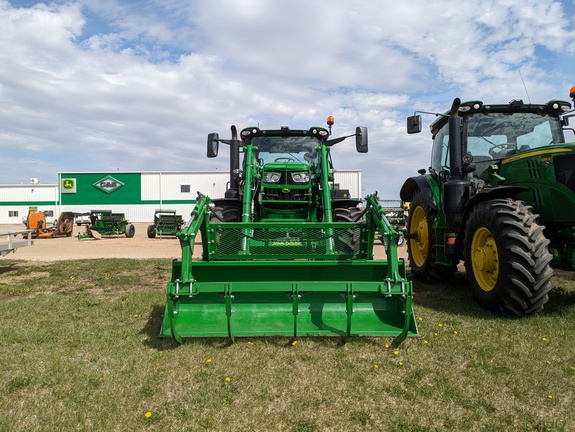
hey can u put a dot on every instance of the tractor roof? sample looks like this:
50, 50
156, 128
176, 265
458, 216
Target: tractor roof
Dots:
553, 107
314, 131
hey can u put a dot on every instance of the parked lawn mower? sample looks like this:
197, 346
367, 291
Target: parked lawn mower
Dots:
36, 221
166, 223
106, 223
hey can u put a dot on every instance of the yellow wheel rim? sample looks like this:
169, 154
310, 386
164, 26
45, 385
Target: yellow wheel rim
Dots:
419, 241
484, 259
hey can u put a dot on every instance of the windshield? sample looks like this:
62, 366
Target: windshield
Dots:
499, 135
286, 149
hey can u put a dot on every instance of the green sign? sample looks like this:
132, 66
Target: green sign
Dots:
108, 184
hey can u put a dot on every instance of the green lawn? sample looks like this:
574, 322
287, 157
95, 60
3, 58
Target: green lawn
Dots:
79, 351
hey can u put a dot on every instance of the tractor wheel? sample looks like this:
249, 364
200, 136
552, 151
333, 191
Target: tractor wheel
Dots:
225, 214
506, 258
130, 231
420, 246
151, 231
227, 240
348, 241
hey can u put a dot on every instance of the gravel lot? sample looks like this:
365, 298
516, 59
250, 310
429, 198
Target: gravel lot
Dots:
139, 246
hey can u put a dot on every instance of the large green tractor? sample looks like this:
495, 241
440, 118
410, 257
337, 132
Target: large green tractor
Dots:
499, 195
284, 252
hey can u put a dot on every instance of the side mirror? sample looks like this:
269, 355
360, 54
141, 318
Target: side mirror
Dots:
414, 124
213, 144
361, 139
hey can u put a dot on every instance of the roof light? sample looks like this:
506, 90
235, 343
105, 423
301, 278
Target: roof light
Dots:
331, 121
572, 92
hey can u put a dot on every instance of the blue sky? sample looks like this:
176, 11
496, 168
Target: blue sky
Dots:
138, 85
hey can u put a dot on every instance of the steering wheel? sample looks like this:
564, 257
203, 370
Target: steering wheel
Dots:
287, 159
502, 147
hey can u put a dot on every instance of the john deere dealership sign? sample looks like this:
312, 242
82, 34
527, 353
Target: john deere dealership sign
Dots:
68, 185
108, 184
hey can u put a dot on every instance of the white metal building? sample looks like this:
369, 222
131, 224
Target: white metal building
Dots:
136, 194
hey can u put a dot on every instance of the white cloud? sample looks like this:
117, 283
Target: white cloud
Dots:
104, 85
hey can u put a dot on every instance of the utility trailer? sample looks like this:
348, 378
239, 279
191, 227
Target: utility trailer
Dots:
10, 241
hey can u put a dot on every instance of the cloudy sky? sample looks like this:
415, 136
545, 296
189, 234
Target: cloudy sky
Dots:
136, 85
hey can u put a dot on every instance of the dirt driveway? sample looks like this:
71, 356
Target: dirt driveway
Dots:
140, 246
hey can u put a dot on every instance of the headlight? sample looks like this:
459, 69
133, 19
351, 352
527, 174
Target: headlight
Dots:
300, 177
273, 177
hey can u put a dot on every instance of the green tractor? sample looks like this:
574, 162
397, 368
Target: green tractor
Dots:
499, 195
284, 252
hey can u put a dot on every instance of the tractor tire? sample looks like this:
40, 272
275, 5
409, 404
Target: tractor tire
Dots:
151, 231
130, 231
225, 214
421, 241
348, 242
227, 242
506, 258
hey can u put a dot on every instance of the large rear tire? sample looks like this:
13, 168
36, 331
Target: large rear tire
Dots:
421, 244
506, 258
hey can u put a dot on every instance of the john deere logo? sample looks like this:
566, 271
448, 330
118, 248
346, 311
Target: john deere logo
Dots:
108, 184
68, 185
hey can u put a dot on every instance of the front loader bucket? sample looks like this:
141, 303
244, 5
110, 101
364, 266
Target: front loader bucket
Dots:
286, 279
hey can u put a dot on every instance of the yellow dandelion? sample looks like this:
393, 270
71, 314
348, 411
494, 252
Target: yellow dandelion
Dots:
135, 315
548, 362
549, 396
440, 325
375, 366
208, 360
544, 339
294, 343
400, 363
148, 414
396, 352
572, 367
228, 379
387, 345
420, 319
250, 343
426, 341
455, 332
435, 334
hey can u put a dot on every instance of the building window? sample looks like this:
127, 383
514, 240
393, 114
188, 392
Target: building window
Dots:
185, 188
12, 213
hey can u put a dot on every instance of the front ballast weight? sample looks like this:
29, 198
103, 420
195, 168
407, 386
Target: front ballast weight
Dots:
288, 278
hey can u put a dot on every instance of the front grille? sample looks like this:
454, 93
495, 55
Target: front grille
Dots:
286, 243
564, 170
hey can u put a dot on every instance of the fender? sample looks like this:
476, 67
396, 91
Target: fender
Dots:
412, 185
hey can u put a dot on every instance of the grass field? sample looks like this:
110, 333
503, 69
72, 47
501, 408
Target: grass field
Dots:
79, 351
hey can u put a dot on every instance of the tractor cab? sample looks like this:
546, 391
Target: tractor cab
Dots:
494, 133
288, 160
